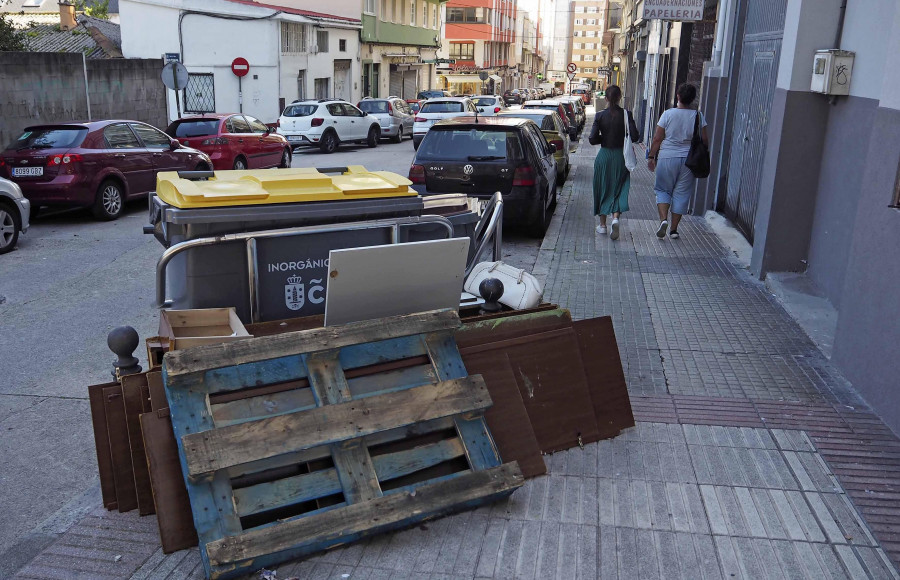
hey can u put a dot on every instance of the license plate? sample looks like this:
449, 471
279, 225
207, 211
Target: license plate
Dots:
27, 171
294, 138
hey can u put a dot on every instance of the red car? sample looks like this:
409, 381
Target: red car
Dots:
100, 165
233, 140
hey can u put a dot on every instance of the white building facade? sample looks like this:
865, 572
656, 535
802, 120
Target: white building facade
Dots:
292, 53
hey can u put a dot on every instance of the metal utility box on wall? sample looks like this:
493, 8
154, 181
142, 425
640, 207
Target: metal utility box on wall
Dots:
831, 72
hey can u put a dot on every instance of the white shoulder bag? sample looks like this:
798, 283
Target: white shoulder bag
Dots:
628, 146
520, 289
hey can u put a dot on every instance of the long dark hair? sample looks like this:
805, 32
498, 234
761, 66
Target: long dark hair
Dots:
613, 95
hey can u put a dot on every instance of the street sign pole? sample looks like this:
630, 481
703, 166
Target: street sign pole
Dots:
240, 67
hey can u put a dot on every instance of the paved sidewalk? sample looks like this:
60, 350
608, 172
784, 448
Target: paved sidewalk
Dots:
752, 457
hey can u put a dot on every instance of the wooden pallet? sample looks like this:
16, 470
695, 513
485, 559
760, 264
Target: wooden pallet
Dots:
329, 451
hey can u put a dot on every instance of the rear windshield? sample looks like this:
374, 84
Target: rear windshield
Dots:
299, 110
374, 106
50, 138
196, 128
541, 106
470, 145
442, 107
544, 121
485, 101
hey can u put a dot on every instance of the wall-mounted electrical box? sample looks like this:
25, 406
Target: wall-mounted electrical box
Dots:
831, 72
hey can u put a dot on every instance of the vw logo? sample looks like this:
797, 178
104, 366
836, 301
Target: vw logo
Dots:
468, 169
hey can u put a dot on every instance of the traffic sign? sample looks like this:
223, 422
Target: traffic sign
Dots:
483, 76
571, 76
240, 67
175, 76
571, 67
172, 57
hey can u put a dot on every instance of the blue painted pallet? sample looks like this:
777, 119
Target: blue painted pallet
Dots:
339, 433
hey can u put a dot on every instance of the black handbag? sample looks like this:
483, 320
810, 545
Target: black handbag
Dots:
698, 156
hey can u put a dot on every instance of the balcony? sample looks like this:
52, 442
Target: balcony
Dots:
380, 32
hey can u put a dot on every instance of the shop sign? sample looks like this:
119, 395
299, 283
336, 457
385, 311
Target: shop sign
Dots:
672, 9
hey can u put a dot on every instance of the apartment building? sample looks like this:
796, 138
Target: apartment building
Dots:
588, 25
479, 35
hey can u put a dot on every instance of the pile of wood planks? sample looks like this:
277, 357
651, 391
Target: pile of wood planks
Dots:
307, 437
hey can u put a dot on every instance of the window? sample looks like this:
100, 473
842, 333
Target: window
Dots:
351, 111
593, 9
300, 110
591, 22
256, 125
579, 9
335, 109
412, 12
293, 37
462, 51
152, 138
578, 21
591, 33
434, 18
384, 10
119, 136
237, 124
301, 85
200, 93
587, 70
342, 45
321, 87
424, 14
370, 7
322, 40
614, 16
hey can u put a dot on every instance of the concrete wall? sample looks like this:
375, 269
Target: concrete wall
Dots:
41, 87
867, 335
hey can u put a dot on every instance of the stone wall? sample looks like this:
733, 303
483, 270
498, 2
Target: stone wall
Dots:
44, 87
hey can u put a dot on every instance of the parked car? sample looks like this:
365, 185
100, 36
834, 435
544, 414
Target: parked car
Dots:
542, 94
485, 155
394, 115
554, 105
100, 164
14, 214
572, 112
551, 125
583, 94
414, 106
326, 123
233, 140
424, 95
489, 106
578, 107
513, 97
433, 110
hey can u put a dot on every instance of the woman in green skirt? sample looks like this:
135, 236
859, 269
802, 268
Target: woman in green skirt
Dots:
611, 178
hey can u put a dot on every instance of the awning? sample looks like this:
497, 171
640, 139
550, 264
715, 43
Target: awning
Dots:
462, 78
495, 78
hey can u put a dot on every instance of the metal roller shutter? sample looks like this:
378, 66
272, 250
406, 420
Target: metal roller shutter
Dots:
396, 84
409, 85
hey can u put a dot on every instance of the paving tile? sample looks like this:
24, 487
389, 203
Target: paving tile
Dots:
588, 550
609, 554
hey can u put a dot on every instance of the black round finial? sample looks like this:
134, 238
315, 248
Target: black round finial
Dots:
491, 289
123, 340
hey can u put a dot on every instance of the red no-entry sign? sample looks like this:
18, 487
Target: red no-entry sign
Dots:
240, 67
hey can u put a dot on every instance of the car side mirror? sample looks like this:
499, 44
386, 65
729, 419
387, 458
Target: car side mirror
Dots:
174, 144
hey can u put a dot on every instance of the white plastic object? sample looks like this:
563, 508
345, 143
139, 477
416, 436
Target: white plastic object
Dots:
521, 290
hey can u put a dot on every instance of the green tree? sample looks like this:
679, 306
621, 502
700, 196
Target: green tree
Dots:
95, 8
11, 39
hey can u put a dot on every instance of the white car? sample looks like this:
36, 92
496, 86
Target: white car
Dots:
489, 105
15, 210
326, 123
433, 110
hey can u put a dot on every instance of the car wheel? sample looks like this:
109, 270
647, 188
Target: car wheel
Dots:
329, 142
239, 164
399, 137
542, 220
10, 224
110, 200
285, 159
372, 139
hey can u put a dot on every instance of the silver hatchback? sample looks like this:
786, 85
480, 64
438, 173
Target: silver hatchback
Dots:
393, 114
15, 210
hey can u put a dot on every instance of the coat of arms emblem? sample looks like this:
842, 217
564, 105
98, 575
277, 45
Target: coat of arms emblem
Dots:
294, 293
